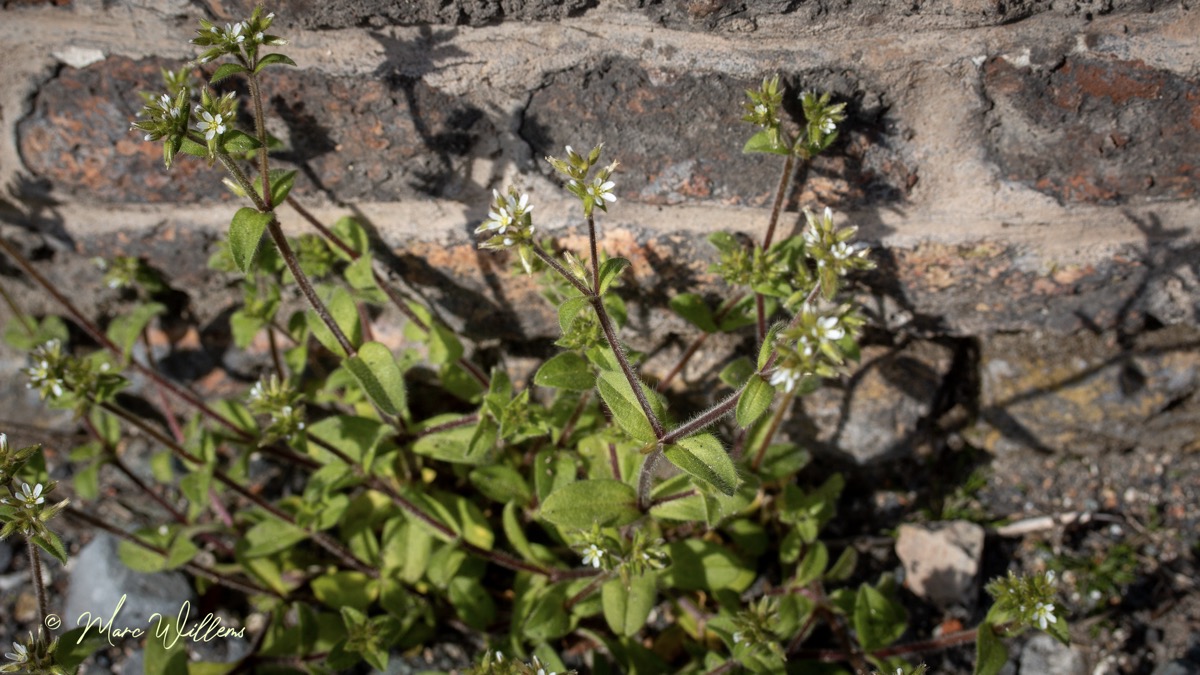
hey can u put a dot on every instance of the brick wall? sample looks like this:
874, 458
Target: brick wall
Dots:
1026, 167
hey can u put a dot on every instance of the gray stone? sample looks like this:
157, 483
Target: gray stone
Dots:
98, 581
879, 412
941, 561
1177, 667
1043, 655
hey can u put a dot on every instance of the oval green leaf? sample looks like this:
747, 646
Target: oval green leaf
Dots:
704, 458
578, 505
380, 377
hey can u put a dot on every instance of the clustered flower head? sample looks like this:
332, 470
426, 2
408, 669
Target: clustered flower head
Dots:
47, 374
509, 220
755, 629
215, 116
595, 191
29, 513
762, 108
832, 250
821, 118
278, 400
1027, 600
241, 38
32, 655
494, 663
813, 348
164, 117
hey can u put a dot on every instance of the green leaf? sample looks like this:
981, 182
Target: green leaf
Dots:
190, 147
126, 329
164, 655
453, 445
50, 543
610, 271
227, 70
181, 552
17, 333
501, 483
695, 311
724, 242
623, 404
755, 400
245, 235
547, 620
567, 370
990, 652
569, 310
345, 314
444, 345
737, 372
813, 564
878, 619
73, 648
627, 608
345, 589
705, 459
844, 566
239, 142
273, 60
609, 503
763, 141
271, 536
380, 377
281, 185
355, 437
352, 234
698, 565
140, 559
472, 601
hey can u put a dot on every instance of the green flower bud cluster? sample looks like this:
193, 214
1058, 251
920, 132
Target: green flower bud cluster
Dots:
165, 116
1028, 602
593, 192
242, 38
762, 109
816, 346
821, 120
830, 247
276, 399
754, 631
496, 663
34, 654
66, 381
215, 116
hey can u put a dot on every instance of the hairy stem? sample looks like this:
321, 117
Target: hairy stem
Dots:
785, 180
35, 570
260, 130
776, 421
646, 478
591, 221
218, 578
393, 294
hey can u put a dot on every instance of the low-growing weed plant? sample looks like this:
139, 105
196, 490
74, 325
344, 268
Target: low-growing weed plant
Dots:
571, 523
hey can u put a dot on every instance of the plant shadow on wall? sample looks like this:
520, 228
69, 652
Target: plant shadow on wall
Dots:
530, 518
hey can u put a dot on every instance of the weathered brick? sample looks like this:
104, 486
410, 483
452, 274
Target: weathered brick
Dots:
741, 15
986, 287
319, 14
356, 137
1086, 393
679, 136
1095, 130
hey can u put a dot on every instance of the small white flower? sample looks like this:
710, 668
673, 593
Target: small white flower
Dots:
737, 637
3, 443
163, 530
256, 392
258, 37
592, 555
31, 497
828, 330
602, 191
1050, 577
499, 656
19, 654
827, 126
760, 110
788, 377
211, 125
1044, 615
